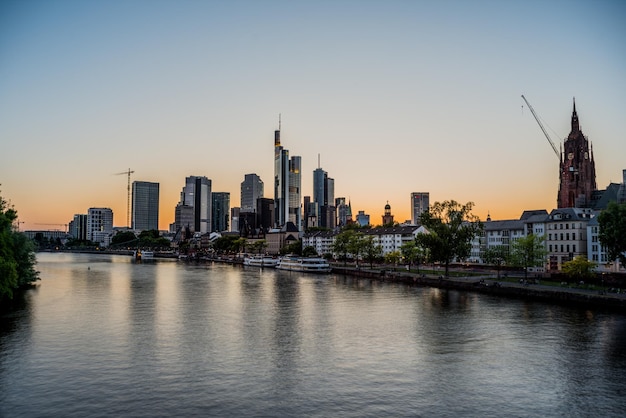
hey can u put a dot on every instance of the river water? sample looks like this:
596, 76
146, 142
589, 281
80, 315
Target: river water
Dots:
103, 336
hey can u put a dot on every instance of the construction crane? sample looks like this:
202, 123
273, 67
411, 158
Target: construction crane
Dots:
129, 172
63, 225
558, 154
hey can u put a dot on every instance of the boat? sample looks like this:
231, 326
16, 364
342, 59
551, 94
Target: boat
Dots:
260, 261
143, 255
304, 264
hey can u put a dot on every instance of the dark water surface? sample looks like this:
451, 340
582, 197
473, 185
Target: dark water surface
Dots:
102, 336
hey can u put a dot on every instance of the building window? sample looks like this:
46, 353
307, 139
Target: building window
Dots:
574, 248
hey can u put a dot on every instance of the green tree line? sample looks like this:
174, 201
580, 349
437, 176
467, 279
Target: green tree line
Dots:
17, 257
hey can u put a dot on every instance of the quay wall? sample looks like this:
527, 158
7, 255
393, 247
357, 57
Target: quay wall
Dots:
561, 295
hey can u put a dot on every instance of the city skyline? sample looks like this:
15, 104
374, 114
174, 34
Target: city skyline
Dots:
394, 96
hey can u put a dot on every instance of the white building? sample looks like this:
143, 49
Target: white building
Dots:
596, 251
390, 239
506, 232
566, 235
100, 225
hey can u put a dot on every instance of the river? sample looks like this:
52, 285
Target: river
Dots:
104, 336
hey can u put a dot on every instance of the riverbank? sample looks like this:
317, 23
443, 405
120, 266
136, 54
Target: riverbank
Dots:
584, 298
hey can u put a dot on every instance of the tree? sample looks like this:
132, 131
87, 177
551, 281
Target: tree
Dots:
341, 243
451, 228
124, 238
293, 248
413, 253
371, 250
612, 234
393, 257
258, 246
17, 257
528, 251
497, 255
356, 245
309, 251
228, 243
579, 268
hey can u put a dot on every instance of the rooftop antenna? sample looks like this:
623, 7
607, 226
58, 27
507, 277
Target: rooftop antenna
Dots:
318, 161
279, 121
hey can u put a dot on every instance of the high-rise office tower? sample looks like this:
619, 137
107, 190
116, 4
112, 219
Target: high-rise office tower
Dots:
419, 205
318, 186
344, 215
78, 227
251, 191
295, 185
281, 181
324, 198
196, 195
577, 169
220, 215
145, 213
264, 213
234, 219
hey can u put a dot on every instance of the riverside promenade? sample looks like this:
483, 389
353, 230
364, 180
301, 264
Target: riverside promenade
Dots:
490, 284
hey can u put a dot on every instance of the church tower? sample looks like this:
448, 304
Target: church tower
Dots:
577, 169
387, 217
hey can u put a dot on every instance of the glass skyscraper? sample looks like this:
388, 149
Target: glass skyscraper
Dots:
419, 205
145, 212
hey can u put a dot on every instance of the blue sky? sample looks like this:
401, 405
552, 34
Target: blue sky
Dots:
395, 96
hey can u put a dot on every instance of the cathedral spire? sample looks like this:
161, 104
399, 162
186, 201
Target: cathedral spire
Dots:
575, 126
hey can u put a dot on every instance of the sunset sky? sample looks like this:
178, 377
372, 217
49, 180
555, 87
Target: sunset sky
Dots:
395, 96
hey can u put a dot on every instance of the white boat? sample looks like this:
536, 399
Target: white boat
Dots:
304, 264
143, 255
260, 261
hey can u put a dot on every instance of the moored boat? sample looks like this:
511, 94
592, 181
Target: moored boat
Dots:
304, 264
143, 255
260, 261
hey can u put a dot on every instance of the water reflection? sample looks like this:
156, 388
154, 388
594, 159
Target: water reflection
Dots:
105, 336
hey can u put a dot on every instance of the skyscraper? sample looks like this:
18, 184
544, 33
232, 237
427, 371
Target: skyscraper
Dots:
251, 190
419, 204
324, 198
145, 212
287, 185
344, 212
295, 185
577, 169
196, 195
281, 181
220, 211
78, 227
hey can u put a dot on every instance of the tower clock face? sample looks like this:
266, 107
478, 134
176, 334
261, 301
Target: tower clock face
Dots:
570, 156
586, 156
